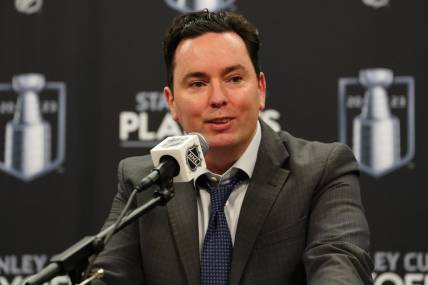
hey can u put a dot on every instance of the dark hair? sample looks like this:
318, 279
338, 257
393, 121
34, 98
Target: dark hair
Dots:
194, 24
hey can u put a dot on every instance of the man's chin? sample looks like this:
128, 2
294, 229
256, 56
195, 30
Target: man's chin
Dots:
221, 143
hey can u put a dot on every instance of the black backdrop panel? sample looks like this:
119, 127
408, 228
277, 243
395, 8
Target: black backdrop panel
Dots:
107, 57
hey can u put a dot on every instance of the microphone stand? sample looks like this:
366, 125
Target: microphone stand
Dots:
75, 259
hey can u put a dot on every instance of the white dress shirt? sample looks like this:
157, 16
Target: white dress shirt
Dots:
233, 205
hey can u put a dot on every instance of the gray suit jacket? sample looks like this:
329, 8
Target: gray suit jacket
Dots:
301, 222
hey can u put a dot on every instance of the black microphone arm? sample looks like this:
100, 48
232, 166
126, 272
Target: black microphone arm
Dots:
75, 258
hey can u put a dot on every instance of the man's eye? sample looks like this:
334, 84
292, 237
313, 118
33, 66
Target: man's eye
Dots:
236, 79
197, 84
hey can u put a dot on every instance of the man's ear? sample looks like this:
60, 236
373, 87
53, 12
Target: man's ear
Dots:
262, 90
169, 97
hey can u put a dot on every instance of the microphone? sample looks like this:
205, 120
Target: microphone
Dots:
177, 158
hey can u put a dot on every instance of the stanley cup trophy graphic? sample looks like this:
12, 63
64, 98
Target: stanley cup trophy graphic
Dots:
28, 136
376, 132
211, 5
197, 5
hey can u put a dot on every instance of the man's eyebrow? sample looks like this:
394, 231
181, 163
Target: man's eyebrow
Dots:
196, 74
200, 74
233, 68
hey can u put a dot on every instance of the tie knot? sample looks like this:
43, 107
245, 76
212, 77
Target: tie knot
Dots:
220, 192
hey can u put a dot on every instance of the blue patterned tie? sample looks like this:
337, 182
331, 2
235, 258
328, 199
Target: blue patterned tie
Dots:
217, 247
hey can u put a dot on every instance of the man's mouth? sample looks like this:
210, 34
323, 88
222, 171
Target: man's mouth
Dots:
220, 121
220, 124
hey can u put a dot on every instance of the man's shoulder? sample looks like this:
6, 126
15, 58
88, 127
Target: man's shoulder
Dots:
314, 160
303, 152
300, 146
132, 169
136, 161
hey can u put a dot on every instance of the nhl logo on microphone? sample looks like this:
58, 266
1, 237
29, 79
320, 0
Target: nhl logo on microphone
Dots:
193, 157
186, 150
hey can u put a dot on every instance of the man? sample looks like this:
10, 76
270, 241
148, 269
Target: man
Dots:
294, 214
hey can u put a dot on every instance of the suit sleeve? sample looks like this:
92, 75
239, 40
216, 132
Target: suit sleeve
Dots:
121, 258
338, 233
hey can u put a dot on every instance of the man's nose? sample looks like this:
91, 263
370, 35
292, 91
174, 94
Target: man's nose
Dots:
218, 96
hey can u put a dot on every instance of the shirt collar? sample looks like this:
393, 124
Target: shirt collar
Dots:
246, 162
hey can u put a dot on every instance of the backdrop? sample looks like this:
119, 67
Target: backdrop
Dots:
81, 88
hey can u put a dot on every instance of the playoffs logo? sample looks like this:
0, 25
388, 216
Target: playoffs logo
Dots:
186, 6
15, 268
32, 126
400, 268
149, 123
28, 6
377, 117
376, 3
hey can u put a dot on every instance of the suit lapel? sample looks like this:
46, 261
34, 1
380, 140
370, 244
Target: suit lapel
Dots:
265, 184
182, 211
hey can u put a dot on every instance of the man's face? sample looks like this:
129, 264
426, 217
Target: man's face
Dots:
216, 90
